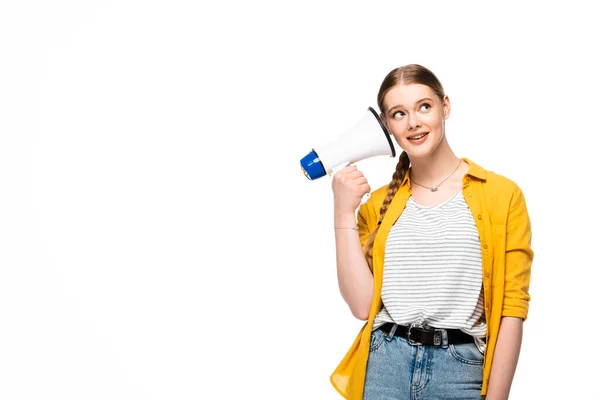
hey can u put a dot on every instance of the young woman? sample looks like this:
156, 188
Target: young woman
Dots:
438, 263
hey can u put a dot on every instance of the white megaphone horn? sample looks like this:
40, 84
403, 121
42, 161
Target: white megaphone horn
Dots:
368, 138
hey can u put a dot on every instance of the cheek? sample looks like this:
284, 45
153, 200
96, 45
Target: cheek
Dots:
397, 127
438, 119
432, 120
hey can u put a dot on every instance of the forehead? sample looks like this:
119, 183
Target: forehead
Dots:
407, 95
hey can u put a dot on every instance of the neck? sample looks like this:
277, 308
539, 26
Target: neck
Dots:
431, 170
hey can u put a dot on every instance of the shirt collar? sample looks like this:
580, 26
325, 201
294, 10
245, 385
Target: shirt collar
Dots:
475, 170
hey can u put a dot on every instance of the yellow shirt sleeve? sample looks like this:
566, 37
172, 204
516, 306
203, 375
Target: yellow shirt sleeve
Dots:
366, 221
519, 257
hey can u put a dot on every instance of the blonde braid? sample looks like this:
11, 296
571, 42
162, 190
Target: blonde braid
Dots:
401, 168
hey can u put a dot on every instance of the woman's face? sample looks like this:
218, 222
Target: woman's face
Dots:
415, 116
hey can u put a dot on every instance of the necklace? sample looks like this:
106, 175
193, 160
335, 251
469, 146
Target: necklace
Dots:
435, 188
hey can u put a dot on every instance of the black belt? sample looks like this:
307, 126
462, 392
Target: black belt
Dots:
416, 334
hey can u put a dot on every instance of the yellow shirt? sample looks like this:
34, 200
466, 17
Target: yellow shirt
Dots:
500, 214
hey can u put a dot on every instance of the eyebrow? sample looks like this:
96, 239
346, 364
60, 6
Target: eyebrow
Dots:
416, 102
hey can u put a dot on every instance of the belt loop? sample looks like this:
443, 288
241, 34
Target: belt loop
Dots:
437, 337
444, 338
390, 335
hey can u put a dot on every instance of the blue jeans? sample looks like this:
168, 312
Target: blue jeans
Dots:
398, 370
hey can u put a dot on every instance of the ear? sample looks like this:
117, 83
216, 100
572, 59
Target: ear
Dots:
384, 120
446, 107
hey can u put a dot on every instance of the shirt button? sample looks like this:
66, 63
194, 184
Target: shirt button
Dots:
485, 246
479, 216
487, 274
469, 194
487, 304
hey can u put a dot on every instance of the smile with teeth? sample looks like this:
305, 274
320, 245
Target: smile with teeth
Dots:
417, 137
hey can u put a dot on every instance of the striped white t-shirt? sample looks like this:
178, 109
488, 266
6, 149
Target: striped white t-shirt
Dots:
432, 269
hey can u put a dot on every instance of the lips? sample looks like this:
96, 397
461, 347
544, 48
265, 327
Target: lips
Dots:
418, 136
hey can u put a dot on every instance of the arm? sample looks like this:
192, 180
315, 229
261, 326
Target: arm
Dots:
354, 276
519, 257
505, 359
355, 280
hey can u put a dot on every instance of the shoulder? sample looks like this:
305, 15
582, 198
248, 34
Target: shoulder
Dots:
500, 182
492, 180
501, 193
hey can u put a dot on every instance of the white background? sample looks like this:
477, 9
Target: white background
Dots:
157, 237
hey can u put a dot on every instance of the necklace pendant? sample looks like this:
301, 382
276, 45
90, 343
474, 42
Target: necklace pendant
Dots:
434, 189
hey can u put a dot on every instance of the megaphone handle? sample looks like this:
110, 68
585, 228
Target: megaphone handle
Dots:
365, 198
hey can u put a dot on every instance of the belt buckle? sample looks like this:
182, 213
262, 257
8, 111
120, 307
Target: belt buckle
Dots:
408, 339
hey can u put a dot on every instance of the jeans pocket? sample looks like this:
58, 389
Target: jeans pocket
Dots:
467, 353
376, 340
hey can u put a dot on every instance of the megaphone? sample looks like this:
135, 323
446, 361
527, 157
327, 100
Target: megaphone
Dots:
368, 138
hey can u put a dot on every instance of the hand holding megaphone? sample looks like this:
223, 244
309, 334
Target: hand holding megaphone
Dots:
367, 139
350, 188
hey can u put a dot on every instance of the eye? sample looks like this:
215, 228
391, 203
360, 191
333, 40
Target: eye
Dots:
425, 107
397, 114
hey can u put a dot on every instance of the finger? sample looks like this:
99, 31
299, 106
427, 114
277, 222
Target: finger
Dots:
365, 187
361, 180
355, 174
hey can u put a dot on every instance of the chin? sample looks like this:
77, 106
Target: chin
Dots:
420, 152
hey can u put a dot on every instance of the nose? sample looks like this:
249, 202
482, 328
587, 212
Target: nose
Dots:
413, 123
